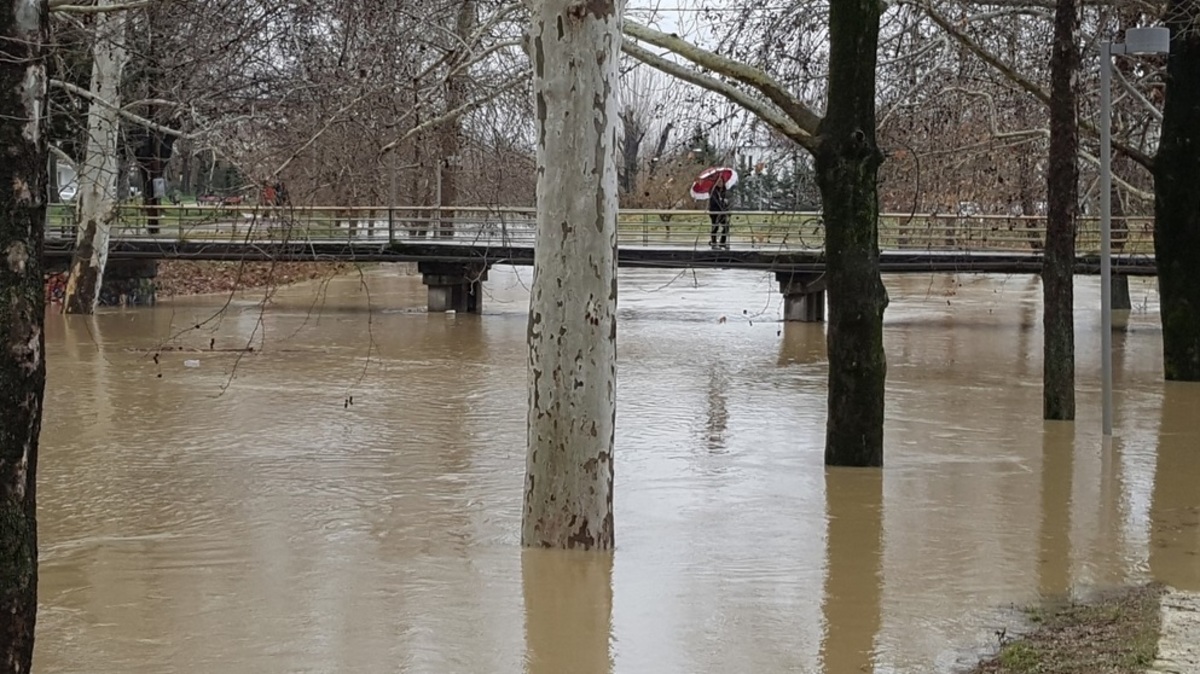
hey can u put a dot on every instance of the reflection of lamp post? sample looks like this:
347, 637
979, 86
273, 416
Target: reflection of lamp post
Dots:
1137, 41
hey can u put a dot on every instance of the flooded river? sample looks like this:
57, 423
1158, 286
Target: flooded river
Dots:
244, 517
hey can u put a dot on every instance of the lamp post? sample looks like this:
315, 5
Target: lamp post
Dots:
1137, 41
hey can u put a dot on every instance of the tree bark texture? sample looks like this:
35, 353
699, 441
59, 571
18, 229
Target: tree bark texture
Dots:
848, 162
1176, 206
572, 313
1062, 192
101, 164
24, 48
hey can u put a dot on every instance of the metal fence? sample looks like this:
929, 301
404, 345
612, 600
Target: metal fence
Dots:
516, 227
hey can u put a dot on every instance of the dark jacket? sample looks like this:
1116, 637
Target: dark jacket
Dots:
718, 202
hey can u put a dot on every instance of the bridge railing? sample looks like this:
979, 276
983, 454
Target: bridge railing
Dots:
763, 230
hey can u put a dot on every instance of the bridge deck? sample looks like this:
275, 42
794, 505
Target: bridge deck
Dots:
674, 239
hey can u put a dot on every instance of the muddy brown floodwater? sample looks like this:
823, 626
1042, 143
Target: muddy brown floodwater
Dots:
271, 526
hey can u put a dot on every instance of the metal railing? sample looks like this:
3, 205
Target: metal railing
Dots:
516, 227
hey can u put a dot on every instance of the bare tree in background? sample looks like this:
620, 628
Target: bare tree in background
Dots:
302, 92
1139, 126
648, 116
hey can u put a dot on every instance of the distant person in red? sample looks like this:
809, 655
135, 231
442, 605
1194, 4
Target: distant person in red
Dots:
269, 197
718, 212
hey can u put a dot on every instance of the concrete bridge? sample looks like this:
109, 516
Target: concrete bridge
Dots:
454, 249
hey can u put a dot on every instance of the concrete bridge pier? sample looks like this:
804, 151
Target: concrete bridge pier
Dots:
129, 283
803, 296
454, 286
1122, 305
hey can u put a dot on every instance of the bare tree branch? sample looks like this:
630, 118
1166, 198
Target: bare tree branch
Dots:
1137, 95
763, 109
512, 83
62, 6
63, 156
1023, 82
136, 119
748, 75
328, 123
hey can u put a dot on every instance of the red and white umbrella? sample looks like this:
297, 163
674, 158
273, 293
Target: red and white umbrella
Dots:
702, 186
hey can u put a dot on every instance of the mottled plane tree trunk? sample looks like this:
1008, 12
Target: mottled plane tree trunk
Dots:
848, 162
24, 41
574, 46
101, 163
1176, 207
1062, 192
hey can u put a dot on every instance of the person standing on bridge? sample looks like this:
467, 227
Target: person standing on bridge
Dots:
718, 212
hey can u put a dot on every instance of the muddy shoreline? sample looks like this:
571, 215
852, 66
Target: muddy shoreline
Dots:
181, 278
1113, 632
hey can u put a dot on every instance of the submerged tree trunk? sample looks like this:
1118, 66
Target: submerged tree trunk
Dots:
24, 47
1176, 208
572, 309
568, 611
1062, 193
852, 595
101, 164
848, 162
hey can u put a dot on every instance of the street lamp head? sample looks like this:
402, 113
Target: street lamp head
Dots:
1147, 40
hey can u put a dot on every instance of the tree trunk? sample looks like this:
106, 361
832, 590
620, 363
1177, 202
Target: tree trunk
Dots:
185, 171
572, 309
101, 165
152, 157
451, 131
848, 162
630, 150
661, 146
24, 48
421, 218
154, 150
1176, 208
1062, 193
